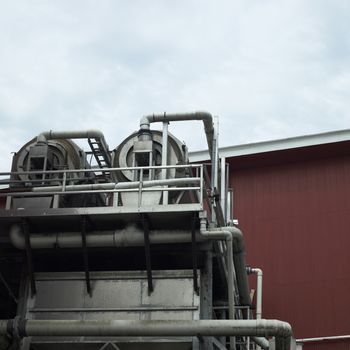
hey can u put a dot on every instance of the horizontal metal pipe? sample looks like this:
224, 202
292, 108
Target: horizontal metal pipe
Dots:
119, 190
85, 187
129, 237
120, 185
148, 328
93, 170
318, 339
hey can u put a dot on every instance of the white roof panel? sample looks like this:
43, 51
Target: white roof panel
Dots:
275, 145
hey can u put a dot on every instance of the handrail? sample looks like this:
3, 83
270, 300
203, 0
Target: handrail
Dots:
121, 190
99, 170
61, 182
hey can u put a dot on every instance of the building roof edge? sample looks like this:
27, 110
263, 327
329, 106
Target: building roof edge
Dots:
275, 145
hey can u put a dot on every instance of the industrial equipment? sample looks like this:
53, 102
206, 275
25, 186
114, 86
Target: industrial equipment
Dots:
131, 251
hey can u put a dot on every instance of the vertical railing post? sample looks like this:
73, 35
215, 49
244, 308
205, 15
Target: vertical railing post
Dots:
64, 181
201, 185
140, 188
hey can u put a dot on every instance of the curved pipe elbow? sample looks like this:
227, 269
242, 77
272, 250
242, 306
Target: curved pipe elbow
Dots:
229, 233
145, 122
285, 329
237, 235
254, 270
257, 271
276, 328
43, 137
219, 233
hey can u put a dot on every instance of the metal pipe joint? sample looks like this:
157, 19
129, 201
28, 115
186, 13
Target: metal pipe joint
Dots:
259, 274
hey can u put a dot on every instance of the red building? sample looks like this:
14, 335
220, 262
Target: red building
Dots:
292, 200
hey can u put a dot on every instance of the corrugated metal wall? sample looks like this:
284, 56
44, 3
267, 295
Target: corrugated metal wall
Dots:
296, 220
327, 345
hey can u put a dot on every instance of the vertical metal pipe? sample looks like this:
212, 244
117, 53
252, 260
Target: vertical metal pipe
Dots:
248, 338
259, 275
165, 158
201, 185
214, 172
223, 186
230, 284
226, 234
227, 181
215, 160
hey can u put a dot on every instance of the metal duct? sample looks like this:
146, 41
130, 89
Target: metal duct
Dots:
83, 134
95, 139
204, 116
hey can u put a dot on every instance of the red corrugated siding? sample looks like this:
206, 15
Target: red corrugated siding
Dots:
296, 220
328, 345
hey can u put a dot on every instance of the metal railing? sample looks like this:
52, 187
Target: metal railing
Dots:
68, 182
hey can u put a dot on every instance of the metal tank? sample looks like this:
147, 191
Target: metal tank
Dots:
150, 149
40, 162
39, 156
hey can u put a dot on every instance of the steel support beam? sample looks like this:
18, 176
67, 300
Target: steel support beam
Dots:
25, 229
85, 255
145, 223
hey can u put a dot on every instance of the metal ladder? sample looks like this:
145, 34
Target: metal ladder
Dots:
101, 153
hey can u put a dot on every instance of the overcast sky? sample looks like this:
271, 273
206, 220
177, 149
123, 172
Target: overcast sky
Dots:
268, 68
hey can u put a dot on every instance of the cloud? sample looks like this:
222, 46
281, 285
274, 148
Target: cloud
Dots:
269, 69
